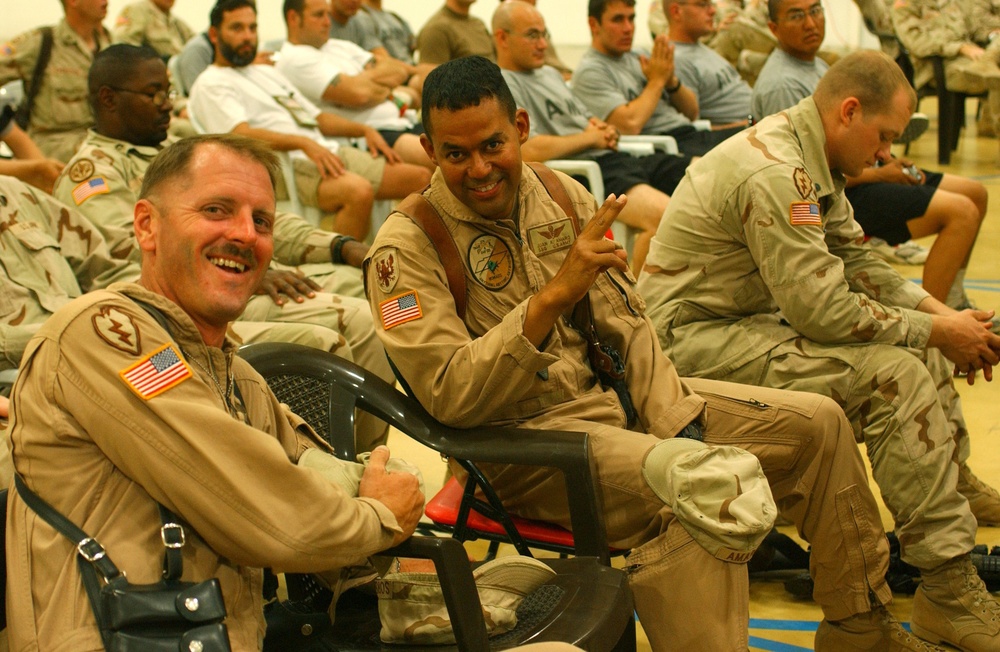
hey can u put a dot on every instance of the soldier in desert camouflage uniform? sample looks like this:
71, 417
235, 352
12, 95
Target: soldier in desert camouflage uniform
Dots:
60, 115
103, 181
945, 28
50, 255
149, 22
758, 275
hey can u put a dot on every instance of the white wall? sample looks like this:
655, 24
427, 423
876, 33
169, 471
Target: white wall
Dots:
567, 19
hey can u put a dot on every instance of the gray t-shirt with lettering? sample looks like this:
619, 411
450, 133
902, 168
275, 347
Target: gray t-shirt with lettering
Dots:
723, 96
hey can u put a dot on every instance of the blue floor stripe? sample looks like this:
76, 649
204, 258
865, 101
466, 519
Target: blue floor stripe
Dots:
786, 625
775, 646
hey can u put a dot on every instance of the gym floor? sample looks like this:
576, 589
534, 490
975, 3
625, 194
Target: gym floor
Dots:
778, 621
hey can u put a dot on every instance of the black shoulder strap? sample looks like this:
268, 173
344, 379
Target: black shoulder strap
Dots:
31, 92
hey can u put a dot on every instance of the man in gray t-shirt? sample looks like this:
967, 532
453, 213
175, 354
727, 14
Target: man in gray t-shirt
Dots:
346, 27
635, 93
723, 97
560, 126
783, 81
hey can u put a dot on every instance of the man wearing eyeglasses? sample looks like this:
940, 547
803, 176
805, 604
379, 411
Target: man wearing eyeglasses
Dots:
637, 94
721, 93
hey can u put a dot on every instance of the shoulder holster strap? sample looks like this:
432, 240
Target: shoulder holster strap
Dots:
31, 92
422, 212
418, 209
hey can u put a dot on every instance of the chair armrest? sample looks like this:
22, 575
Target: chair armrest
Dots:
636, 148
666, 144
589, 169
451, 561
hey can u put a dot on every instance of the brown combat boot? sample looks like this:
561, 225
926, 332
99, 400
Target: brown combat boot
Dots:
872, 631
953, 606
983, 499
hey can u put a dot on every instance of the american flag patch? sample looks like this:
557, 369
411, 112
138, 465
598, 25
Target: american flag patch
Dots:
89, 188
805, 213
399, 310
156, 373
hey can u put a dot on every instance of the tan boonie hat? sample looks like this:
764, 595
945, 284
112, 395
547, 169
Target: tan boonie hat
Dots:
718, 493
412, 610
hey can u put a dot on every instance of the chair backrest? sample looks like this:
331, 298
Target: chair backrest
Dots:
568, 452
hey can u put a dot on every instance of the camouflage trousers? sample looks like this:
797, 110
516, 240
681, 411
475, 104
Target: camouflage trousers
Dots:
983, 76
336, 323
903, 406
685, 597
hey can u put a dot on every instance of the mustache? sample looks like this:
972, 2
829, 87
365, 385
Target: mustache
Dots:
229, 250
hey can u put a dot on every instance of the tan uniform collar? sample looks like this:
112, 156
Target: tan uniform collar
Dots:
808, 126
101, 141
65, 35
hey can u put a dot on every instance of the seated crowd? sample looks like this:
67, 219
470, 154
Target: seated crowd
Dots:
726, 367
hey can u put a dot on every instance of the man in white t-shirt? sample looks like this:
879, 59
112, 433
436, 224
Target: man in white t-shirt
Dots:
345, 79
258, 101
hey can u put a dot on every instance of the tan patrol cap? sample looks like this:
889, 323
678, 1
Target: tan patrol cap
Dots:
718, 493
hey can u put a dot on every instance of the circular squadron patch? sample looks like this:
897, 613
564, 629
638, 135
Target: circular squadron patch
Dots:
491, 262
81, 170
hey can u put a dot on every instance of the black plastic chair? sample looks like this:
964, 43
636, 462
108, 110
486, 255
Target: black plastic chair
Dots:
588, 603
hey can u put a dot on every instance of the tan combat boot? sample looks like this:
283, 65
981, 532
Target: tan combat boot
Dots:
983, 499
953, 606
872, 631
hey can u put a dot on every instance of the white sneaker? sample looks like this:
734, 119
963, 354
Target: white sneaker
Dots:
908, 253
914, 129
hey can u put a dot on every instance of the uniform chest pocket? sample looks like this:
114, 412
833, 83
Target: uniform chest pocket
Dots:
38, 255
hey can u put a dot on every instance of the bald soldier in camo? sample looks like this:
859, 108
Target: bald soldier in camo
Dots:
758, 275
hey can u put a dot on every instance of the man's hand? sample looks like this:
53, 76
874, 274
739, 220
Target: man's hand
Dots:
264, 58
965, 339
42, 173
604, 136
400, 492
892, 171
659, 66
971, 51
329, 164
293, 285
592, 254
377, 145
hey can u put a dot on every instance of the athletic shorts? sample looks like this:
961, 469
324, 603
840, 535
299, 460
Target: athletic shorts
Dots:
883, 209
622, 171
391, 136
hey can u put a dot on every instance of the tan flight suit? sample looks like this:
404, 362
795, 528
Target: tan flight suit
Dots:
484, 371
143, 23
61, 114
336, 320
757, 274
50, 255
940, 28
87, 443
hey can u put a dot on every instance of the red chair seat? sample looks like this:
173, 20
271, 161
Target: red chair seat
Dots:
443, 510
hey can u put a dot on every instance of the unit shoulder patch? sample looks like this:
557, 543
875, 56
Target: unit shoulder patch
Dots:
386, 263
118, 329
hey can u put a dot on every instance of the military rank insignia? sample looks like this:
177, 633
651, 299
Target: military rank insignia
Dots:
805, 213
156, 373
400, 309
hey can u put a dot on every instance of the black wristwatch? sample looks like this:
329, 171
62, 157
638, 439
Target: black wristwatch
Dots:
676, 87
337, 250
